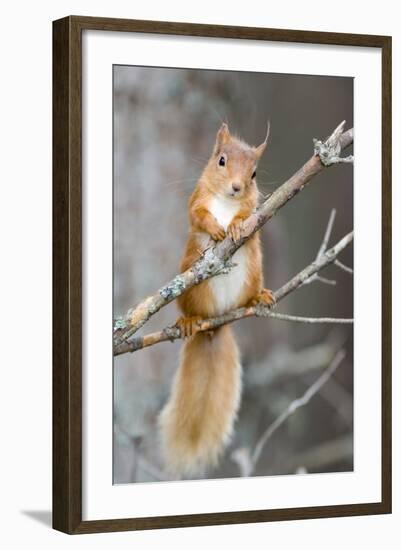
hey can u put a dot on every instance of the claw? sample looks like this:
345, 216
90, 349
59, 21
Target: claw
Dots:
188, 325
265, 297
234, 230
219, 234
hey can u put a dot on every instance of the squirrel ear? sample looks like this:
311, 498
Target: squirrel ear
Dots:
261, 148
223, 135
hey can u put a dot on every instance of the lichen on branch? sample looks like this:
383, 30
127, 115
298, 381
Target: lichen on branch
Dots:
173, 332
216, 260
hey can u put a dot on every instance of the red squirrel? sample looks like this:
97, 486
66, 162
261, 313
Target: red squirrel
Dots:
197, 421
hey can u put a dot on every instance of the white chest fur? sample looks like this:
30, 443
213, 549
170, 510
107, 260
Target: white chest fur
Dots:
223, 210
227, 288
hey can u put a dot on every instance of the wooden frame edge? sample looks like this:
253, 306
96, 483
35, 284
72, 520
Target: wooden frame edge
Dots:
228, 518
386, 273
226, 31
67, 275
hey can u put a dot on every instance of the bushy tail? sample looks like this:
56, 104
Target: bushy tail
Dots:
198, 420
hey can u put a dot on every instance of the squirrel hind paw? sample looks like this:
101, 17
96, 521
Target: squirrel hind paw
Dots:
265, 297
188, 325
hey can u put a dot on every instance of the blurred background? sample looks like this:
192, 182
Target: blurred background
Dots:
165, 121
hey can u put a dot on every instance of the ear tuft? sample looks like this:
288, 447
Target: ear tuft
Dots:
222, 137
261, 148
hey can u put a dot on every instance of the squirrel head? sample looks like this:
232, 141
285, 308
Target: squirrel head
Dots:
231, 170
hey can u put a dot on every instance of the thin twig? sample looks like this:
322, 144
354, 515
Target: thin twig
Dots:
324, 280
344, 267
312, 320
334, 393
295, 405
319, 263
327, 233
322, 250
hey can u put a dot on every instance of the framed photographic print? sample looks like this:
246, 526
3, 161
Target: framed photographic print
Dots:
222, 270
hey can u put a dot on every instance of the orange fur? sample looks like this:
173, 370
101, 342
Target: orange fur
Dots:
198, 420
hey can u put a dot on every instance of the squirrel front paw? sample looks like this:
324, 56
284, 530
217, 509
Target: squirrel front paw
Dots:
265, 297
235, 228
189, 325
216, 231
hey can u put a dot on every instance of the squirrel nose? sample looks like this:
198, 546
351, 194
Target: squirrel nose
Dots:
236, 187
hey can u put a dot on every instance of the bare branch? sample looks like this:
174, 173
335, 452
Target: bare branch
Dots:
248, 466
312, 320
344, 267
216, 260
294, 405
331, 282
173, 332
319, 263
329, 150
340, 399
327, 234
322, 250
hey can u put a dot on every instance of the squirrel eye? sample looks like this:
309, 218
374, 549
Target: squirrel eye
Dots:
222, 161
254, 175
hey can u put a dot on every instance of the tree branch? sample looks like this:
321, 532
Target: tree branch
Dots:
311, 320
322, 250
247, 462
216, 260
344, 267
173, 332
